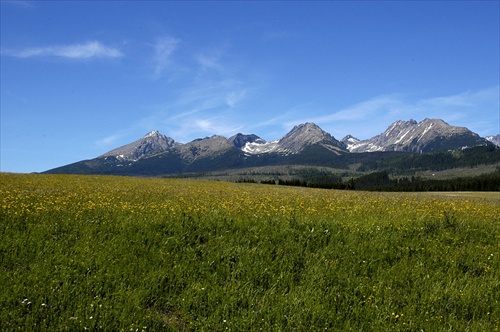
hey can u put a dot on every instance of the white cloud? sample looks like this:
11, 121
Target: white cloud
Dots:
91, 49
469, 99
366, 109
207, 95
189, 128
202, 109
477, 110
217, 126
209, 61
357, 112
234, 97
164, 47
108, 140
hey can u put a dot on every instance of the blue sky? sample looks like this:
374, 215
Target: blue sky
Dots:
79, 78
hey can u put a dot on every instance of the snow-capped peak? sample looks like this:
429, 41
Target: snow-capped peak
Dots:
152, 142
494, 139
295, 141
424, 136
152, 133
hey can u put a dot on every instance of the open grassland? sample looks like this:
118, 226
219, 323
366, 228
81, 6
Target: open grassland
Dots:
458, 172
135, 254
487, 195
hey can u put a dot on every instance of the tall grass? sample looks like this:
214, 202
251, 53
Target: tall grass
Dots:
112, 253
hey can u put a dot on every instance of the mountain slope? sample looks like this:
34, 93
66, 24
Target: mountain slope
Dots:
494, 139
295, 141
240, 140
151, 143
425, 136
350, 141
309, 134
203, 148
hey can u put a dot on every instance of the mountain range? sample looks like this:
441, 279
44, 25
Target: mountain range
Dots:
306, 144
410, 136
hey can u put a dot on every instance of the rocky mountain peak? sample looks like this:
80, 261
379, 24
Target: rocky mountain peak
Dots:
307, 128
296, 140
206, 147
494, 139
305, 134
152, 142
410, 136
153, 133
240, 140
349, 140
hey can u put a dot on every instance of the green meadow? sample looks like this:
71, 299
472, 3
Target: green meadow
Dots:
140, 254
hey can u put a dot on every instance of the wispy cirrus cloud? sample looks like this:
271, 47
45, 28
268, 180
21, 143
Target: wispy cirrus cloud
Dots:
108, 140
356, 112
224, 92
208, 94
477, 110
209, 61
200, 110
220, 126
163, 49
91, 49
466, 99
234, 97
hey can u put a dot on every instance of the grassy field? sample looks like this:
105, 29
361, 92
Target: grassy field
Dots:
135, 254
457, 172
487, 195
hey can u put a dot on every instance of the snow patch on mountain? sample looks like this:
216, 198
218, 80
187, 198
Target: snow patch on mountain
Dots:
260, 147
407, 136
410, 136
295, 141
152, 142
494, 139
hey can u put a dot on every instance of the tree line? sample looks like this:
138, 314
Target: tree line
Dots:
380, 181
